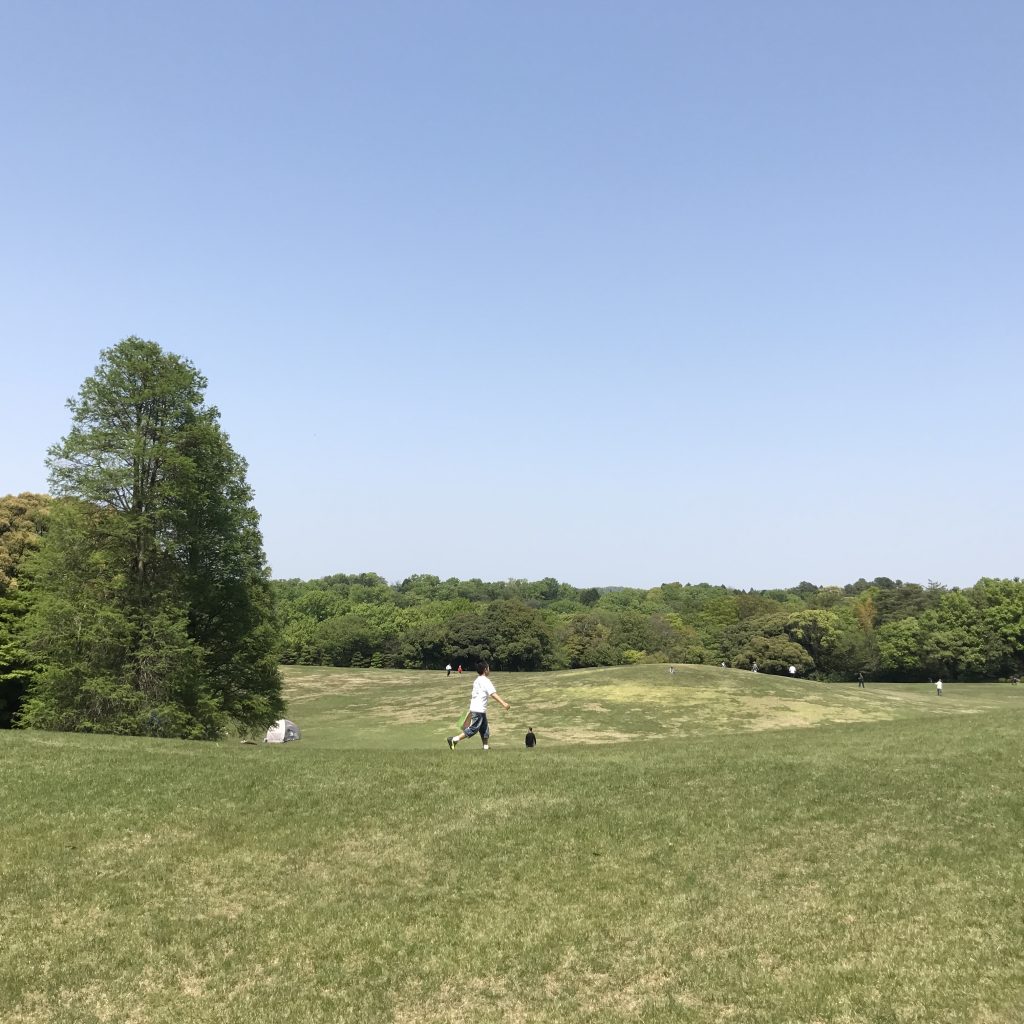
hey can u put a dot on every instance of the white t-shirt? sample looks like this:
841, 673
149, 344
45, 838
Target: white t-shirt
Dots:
482, 689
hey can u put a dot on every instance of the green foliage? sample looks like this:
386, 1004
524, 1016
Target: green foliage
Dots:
1001, 607
23, 521
953, 644
899, 646
16, 664
521, 639
585, 642
828, 632
153, 611
774, 654
817, 631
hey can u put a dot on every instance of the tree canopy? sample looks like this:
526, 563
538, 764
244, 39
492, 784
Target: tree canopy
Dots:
883, 628
152, 611
23, 521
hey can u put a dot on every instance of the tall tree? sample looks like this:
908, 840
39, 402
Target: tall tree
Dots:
23, 520
153, 611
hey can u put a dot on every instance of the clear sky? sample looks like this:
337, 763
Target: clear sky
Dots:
621, 293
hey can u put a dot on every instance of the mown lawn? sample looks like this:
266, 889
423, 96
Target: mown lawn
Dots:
773, 851
349, 708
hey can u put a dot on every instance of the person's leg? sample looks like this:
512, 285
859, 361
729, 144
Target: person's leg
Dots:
470, 730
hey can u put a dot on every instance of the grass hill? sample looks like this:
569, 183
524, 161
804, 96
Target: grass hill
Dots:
708, 846
346, 708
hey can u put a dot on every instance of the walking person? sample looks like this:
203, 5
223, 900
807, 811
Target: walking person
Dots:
860, 680
483, 690
531, 739
938, 687
448, 669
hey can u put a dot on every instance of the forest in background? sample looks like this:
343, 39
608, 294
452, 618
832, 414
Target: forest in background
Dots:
885, 629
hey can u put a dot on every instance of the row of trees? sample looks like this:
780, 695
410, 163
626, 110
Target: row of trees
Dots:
884, 628
138, 600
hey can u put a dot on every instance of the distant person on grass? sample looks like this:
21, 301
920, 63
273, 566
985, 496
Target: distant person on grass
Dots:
448, 669
483, 689
531, 739
860, 679
938, 687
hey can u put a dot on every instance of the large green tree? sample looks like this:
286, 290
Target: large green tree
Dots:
153, 612
23, 521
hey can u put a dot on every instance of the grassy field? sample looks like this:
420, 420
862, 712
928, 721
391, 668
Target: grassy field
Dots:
708, 846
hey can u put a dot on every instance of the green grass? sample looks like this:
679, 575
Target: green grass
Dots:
405, 710
711, 846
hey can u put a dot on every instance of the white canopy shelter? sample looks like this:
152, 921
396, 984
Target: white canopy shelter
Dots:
282, 731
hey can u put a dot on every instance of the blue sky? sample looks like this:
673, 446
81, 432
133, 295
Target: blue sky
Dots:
620, 293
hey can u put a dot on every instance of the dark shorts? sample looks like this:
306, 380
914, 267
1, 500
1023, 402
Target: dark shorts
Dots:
477, 724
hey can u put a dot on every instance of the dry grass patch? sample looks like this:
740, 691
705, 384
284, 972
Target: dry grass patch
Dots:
587, 735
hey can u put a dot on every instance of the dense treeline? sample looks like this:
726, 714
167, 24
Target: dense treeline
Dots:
884, 628
137, 598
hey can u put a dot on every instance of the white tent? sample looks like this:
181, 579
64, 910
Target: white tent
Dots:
282, 731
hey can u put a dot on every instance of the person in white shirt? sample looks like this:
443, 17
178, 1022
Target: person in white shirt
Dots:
483, 689
938, 687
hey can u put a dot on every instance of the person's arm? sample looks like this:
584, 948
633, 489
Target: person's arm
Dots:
501, 700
